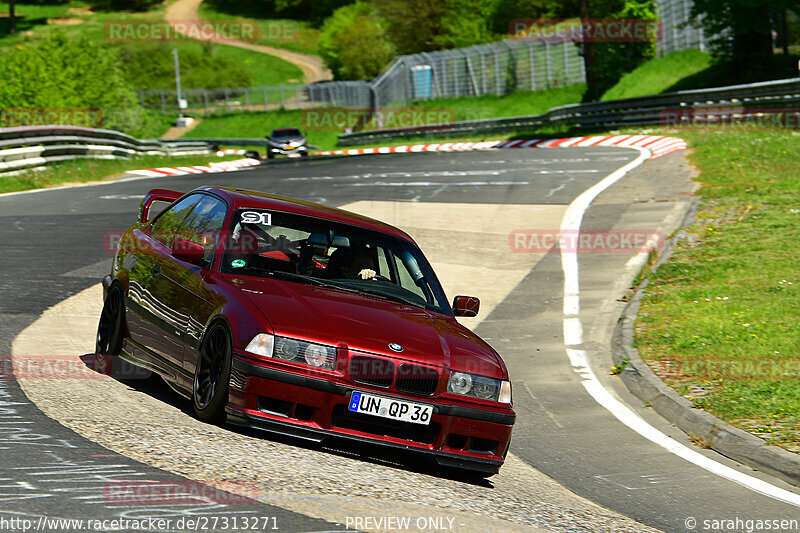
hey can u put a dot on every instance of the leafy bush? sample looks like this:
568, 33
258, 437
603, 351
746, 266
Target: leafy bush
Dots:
354, 44
61, 73
152, 66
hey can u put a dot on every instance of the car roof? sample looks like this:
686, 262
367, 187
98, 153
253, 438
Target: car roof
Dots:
276, 130
238, 198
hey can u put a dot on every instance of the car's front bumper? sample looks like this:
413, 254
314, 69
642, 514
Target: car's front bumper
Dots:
315, 409
285, 150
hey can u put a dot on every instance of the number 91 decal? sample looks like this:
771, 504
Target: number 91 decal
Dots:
253, 217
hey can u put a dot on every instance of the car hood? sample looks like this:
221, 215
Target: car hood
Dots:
369, 324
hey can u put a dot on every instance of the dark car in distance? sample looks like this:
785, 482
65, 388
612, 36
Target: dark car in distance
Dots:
287, 141
304, 320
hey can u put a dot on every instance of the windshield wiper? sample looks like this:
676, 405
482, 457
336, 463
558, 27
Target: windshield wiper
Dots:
299, 277
391, 297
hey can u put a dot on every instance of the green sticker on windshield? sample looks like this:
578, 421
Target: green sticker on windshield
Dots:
238, 263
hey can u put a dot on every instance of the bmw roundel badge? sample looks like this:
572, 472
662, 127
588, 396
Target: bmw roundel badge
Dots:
395, 347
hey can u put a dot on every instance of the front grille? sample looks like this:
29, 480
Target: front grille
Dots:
382, 426
371, 370
417, 379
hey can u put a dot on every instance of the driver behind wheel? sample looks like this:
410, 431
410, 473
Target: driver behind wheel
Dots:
351, 263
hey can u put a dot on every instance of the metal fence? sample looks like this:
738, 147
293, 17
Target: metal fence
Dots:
674, 15
495, 68
770, 103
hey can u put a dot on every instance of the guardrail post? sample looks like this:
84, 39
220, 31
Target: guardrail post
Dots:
163, 102
205, 102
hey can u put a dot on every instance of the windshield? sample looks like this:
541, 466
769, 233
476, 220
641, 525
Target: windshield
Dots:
285, 134
322, 252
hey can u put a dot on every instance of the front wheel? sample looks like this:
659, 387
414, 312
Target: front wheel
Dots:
210, 389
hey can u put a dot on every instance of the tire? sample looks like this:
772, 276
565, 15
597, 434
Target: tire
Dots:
210, 388
270, 155
108, 341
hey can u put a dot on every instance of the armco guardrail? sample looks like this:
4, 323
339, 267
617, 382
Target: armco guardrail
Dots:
668, 109
33, 146
234, 141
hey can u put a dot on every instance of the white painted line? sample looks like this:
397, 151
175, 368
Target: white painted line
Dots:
570, 224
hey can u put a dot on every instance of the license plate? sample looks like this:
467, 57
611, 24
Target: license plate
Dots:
416, 413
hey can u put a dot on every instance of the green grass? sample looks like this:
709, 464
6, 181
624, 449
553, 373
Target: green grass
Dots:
659, 75
510, 105
86, 170
259, 69
280, 33
719, 319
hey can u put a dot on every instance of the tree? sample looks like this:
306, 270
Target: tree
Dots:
605, 61
423, 26
742, 32
12, 19
412, 24
354, 44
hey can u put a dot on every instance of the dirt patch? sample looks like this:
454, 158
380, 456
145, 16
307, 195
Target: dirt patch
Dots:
65, 21
81, 11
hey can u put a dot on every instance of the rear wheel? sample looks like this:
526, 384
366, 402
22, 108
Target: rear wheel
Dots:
109, 330
210, 389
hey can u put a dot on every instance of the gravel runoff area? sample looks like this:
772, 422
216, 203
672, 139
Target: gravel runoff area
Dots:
149, 423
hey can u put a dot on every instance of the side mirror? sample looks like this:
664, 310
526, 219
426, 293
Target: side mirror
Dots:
466, 306
187, 251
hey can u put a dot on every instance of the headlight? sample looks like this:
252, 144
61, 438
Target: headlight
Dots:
295, 350
482, 387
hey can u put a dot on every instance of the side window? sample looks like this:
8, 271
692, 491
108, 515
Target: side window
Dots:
170, 221
406, 281
383, 263
204, 226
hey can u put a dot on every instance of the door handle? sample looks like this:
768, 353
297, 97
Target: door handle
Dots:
156, 269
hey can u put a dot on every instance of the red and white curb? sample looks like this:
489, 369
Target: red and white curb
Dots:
659, 145
222, 166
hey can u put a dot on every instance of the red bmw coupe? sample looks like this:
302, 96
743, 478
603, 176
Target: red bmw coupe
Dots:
304, 320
